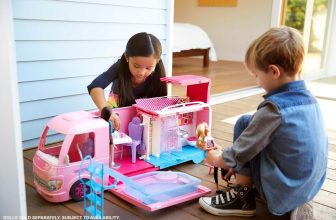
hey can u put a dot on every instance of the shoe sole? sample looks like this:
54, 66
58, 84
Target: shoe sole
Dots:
214, 211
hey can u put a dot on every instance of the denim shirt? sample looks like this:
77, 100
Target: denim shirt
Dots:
293, 165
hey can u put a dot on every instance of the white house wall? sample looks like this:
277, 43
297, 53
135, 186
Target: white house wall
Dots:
62, 45
231, 29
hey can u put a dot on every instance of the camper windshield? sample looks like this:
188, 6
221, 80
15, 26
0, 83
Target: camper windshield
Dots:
51, 142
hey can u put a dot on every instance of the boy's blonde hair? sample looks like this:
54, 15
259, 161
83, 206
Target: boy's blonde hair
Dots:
282, 46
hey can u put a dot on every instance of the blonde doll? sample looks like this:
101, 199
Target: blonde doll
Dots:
204, 140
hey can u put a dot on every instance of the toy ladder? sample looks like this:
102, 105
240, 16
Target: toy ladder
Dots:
94, 199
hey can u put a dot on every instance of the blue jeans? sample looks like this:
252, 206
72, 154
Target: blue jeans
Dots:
242, 123
251, 168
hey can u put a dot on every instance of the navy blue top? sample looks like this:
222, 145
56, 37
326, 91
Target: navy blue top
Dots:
111, 75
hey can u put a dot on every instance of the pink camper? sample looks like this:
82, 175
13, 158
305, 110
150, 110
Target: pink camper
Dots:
166, 124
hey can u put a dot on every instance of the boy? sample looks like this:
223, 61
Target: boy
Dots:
281, 151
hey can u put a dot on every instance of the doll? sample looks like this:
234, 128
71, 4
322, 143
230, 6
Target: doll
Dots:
106, 114
204, 141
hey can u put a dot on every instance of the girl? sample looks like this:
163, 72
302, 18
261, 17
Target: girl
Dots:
135, 75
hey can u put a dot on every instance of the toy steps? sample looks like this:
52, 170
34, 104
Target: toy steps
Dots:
96, 196
94, 200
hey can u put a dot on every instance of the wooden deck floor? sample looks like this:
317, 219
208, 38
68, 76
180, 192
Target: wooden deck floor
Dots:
324, 202
225, 75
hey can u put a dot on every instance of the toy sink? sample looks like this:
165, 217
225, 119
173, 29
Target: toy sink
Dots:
158, 189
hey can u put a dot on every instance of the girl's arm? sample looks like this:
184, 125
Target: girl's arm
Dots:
98, 97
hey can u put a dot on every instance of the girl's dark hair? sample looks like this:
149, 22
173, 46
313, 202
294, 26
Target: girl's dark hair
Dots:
145, 45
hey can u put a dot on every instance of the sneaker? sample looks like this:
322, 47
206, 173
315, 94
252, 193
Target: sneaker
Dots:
238, 201
304, 212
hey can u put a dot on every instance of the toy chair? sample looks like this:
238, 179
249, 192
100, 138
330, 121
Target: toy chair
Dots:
135, 130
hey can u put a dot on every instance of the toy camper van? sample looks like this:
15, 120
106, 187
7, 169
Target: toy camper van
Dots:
166, 124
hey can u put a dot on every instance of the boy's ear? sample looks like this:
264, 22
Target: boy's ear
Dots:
274, 70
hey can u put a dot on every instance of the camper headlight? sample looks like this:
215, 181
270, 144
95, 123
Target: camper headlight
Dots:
54, 185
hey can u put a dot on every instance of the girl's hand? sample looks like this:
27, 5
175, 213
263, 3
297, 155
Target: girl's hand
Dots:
114, 118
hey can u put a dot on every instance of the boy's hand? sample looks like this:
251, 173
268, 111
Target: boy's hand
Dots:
228, 175
115, 121
213, 157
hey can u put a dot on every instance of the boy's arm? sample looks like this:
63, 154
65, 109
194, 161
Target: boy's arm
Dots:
254, 138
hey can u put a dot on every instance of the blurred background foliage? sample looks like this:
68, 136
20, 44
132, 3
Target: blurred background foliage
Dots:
295, 17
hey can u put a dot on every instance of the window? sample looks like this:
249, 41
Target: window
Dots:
311, 18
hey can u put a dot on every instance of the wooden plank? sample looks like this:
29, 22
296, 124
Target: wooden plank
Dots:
326, 198
131, 3
59, 50
332, 164
195, 52
37, 206
33, 129
331, 174
60, 30
32, 143
36, 110
225, 75
58, 69
322, 212
332, 155
37, 90
29, 154
78, 11
329, 185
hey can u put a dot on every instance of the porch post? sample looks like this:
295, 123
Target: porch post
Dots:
12, 190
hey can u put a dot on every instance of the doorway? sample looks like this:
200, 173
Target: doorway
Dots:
311, 18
